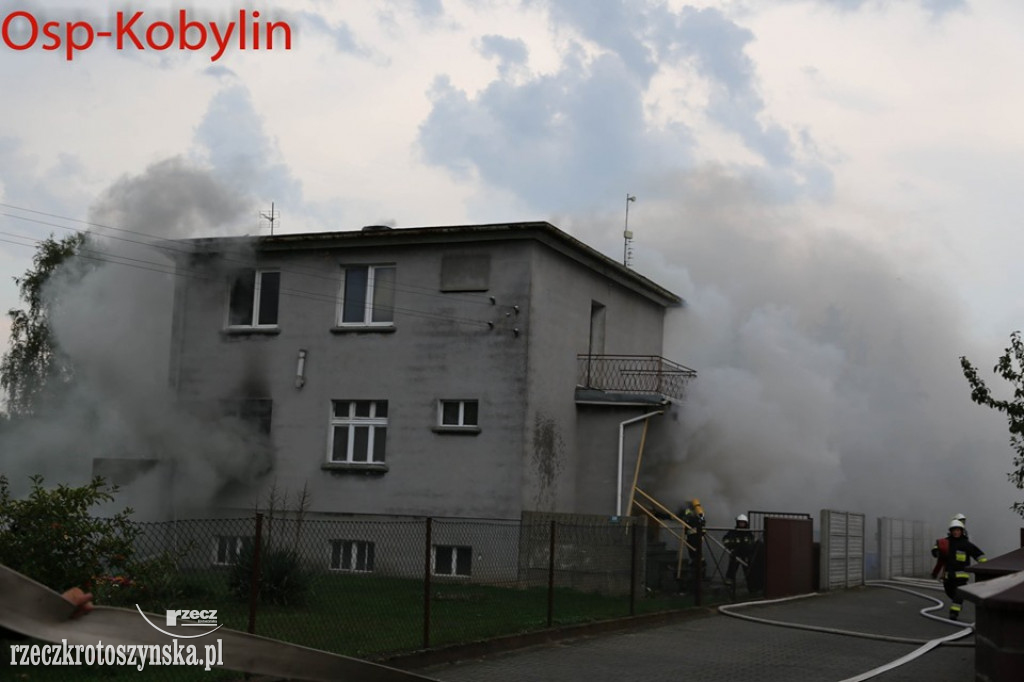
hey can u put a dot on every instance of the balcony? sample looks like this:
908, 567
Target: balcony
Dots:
630, 378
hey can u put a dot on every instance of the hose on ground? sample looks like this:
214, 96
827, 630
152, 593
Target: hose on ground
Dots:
925, 645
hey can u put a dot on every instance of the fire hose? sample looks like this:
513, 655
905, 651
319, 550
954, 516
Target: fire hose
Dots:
924, 645
35, 610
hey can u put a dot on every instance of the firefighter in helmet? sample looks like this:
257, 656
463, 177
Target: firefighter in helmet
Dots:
955, 552
740, 543
693, 516
937, 550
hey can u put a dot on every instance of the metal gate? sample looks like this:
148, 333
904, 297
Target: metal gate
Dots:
756, 518
901, 548
842, 549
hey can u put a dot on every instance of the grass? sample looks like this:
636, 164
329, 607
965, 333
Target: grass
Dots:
369, 616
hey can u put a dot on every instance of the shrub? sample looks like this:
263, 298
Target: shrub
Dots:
153, 582
283, 580
51, 537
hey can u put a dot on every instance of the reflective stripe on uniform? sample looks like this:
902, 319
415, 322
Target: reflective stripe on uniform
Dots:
961, 574
982, 559
955, 607
961, 556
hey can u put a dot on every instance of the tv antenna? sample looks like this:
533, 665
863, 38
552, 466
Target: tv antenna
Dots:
627, 236
271, 218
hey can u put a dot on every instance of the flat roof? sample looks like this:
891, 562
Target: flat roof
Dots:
376, 235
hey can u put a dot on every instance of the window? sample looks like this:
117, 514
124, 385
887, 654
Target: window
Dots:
352, 555
450, 560
228, 547
457, 413
254, 412
358, 431
253, 301
367, 296
465, 272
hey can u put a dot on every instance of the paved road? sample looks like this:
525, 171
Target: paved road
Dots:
719, 648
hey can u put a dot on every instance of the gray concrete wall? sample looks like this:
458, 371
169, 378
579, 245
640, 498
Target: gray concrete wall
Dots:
429, 355
529, 453
562, 450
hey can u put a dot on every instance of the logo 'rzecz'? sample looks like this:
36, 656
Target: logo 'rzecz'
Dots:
198, 618
206, 618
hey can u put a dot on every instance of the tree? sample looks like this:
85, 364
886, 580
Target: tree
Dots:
33, 365
1010, 367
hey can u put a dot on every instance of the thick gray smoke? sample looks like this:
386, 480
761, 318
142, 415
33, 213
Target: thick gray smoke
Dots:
112, 313
829, 374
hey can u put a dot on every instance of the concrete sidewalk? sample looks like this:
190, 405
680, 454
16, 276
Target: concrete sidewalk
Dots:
719, 648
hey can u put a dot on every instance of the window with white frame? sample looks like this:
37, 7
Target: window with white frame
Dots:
452, 560
227, 548
367, 296
358, 431
352, 555
254, 298
456, 413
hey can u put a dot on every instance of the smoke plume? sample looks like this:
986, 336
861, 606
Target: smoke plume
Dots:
828, 361
111, 316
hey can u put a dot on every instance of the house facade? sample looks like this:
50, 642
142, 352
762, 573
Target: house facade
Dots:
480, 371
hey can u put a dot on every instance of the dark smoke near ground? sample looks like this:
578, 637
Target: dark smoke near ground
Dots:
112, 317
829, 373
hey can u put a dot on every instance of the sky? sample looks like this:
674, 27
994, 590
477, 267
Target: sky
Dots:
832, 185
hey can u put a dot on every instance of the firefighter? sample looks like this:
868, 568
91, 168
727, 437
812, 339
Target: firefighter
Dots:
939, 548
693, 516
740, 543
954, 553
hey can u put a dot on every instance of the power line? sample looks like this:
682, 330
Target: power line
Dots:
180, 247
192, 273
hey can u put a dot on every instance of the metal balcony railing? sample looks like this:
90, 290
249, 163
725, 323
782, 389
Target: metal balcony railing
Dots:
633, 374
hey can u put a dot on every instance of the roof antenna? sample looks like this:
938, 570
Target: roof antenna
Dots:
627, 236
271, 218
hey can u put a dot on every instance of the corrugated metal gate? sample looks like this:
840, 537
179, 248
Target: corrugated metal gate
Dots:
789, 555
756, 518
901, 548
842, 549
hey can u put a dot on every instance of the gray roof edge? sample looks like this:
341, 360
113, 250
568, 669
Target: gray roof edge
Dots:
542, 231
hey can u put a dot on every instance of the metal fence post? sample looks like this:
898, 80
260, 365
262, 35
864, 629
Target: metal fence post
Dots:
698, 566
426, 583
254, 579
551, 576
632, 571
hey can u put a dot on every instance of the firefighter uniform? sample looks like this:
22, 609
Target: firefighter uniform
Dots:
740, 543
954, 560
693, 516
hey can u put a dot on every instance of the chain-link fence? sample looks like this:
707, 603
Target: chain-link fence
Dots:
375, 587
712, 565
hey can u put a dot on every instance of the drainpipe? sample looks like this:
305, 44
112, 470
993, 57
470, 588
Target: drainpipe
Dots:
622, 429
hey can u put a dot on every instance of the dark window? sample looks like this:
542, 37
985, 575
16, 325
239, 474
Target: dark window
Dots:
368, 295
459, 413
254, 299
453, 560
359, 431
352, 555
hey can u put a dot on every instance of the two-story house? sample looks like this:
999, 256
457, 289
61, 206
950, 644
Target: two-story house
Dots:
467, 371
